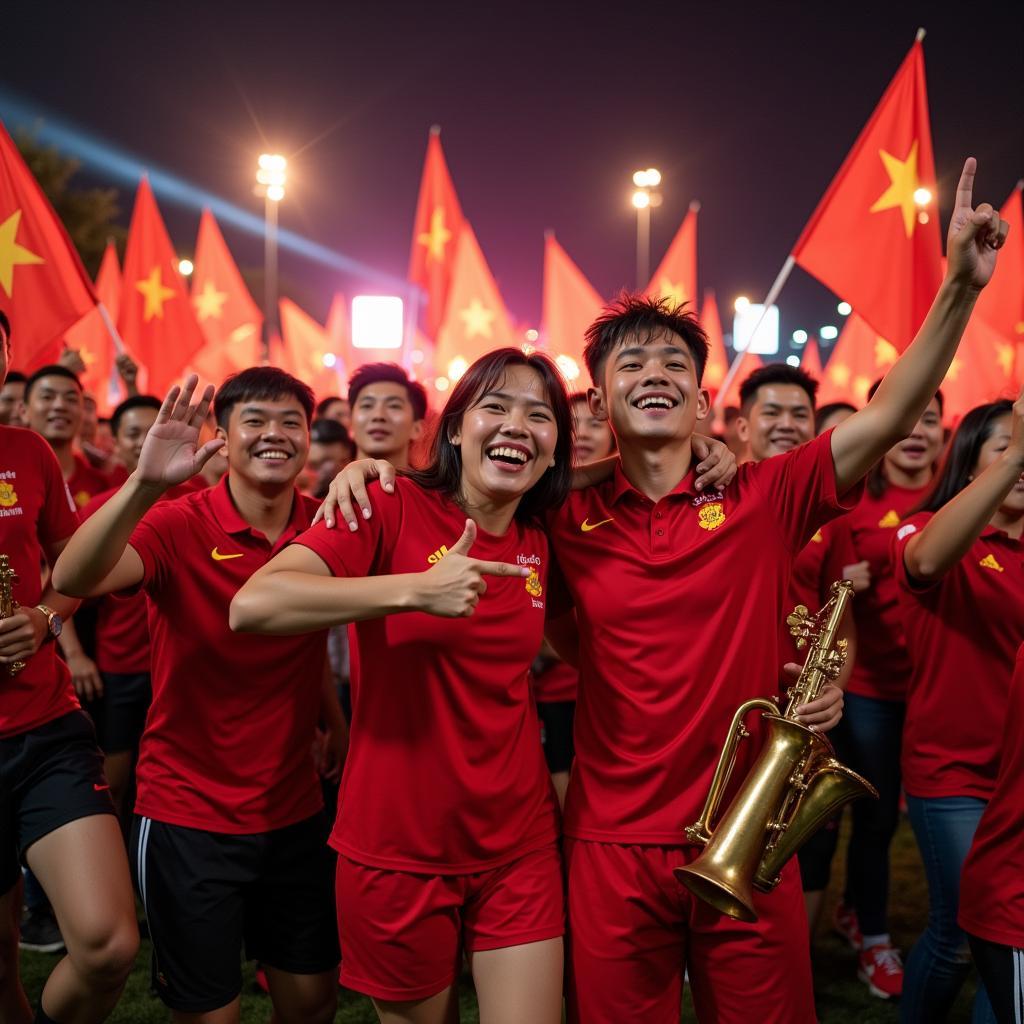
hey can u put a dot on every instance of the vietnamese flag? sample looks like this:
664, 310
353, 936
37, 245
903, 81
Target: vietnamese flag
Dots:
476, 320
676, 276
871, 241
982, 369
860, 357
435, 231
44, 288
306, 351
339, 335
156, 319
229, 319
91, 337
717, 365
570, 306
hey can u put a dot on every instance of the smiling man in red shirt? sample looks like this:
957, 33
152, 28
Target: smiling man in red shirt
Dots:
229, 839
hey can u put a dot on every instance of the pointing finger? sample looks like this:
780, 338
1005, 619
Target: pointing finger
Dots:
501, 569
965, 189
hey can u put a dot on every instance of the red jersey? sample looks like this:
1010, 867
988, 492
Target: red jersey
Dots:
556, 684
36, 513
229, 733
86, 482
679, 603
445, 773
962, 634
992, 884
882, 669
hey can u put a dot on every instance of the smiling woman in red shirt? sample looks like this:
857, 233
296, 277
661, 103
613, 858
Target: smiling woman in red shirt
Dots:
447, 821
959, 563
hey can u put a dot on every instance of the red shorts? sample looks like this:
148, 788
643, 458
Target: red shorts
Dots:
633, 929
403, 934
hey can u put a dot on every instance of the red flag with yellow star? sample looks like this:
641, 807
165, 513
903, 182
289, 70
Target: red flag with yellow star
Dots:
676, 276
303, 348
156, 319
438, 223
90, 337
570, 306
228, 317
718, 359
44, 288
476, 320
874, 238
810, 360
860, 357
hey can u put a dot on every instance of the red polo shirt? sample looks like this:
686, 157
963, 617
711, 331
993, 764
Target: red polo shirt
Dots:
556, 684
86, 482
36, 513
228, 737
679, 604
962, 634
444, 773
992, 884
882, 669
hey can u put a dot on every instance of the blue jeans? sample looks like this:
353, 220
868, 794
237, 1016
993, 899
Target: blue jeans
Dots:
941, 958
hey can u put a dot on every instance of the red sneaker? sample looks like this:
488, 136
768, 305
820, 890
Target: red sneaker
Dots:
846, 924
881, 969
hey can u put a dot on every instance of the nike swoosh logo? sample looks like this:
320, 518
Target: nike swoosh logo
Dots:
218, 557
586, 527
99, 789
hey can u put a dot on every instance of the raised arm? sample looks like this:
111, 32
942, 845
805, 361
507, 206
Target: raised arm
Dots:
973, 239
949, 534
98, 558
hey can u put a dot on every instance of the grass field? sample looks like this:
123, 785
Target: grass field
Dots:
841, 998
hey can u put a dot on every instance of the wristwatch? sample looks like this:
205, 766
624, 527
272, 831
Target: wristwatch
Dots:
54, 623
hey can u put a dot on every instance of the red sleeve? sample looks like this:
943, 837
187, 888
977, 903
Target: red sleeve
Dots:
57, 517
900, 540
359, 553
801, 487
154, 541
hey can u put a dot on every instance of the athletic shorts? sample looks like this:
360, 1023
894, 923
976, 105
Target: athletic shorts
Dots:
556, 719
49, 776
126, 700
208, 895
403, 935
633, 929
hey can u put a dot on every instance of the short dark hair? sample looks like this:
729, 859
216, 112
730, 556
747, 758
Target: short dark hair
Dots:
444, 472
324, 404
776, 373
132, 402
823, 412
329, 432
731, 415
962, 454
938, 395
260, 382
5, 329
635, 315
576, 397
375, 373
15, 377
53, 370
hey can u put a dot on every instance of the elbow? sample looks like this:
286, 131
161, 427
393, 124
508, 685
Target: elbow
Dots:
242, 615
64, 581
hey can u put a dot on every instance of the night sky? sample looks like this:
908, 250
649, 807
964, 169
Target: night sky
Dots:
546, 111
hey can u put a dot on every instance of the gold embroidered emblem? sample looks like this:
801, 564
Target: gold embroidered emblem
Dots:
989, 562
533, 587
817, 538
710, 517
8, 496
890, 520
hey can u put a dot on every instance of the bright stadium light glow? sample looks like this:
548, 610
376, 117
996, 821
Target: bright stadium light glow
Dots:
457, 367
800, 337
185, 267
640, 179
330, 359
442, 383
532, 335
756, 329
417, 356
275, 193
793, 360
378, 321
641, 199
741, 303
844, 309
569, 367
828, 333
653, 177
922, 196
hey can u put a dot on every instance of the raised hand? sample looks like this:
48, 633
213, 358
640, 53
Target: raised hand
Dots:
859, 574
453, 587
348, 490
171, 453
975, 235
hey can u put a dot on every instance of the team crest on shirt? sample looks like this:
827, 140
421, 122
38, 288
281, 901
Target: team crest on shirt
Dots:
890, 520
817, 538
532, 582
989, 562
8, 495
82, 498
711, 517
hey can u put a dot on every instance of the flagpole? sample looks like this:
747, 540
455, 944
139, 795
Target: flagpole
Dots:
769, 301
111, 329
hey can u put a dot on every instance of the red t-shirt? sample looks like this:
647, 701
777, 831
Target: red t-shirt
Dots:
556, 684
86, 482
227, 745
962, 634
882, 669
36, 512
122, 627
679, 604
992, 884
445, 772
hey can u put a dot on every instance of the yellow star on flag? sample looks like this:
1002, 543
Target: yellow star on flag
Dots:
476, 319
885, 353
437, 237
11, 253
676, 293
839, 375
1005, 357
209, 302
903, 184
156, 294
88, 357
860, 388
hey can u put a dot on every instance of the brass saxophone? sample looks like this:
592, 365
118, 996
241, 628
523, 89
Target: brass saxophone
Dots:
8, 605
795, 786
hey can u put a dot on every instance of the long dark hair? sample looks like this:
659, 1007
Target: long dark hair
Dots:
958, 466
444, 472
876, 482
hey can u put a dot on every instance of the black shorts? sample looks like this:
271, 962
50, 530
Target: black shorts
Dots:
556, 720
49, 776
126, 700
207, 895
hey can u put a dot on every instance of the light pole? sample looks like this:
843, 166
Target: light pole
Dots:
270, 179
644, 198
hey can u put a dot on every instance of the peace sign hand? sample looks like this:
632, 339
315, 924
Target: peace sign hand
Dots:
170, 454
975, 235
